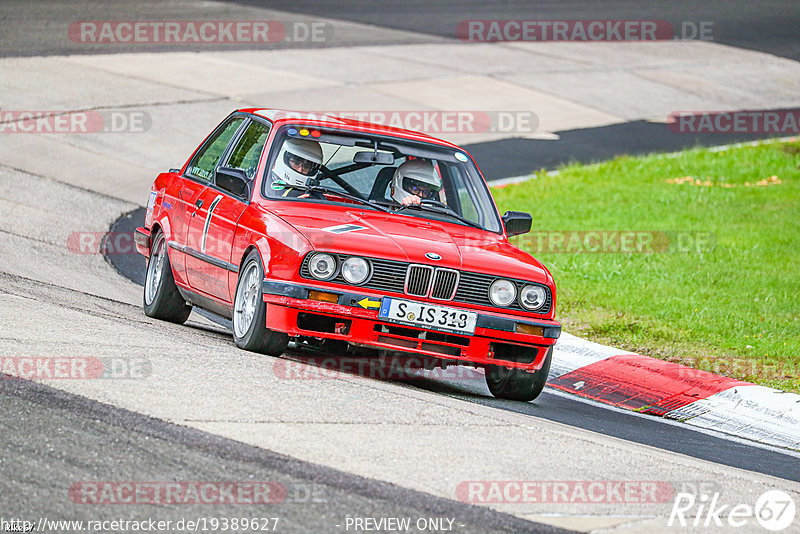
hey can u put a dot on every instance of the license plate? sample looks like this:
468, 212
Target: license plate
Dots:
428, 316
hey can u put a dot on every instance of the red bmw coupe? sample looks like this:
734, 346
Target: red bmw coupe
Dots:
317, 228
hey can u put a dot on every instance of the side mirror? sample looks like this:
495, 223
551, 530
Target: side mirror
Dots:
517, 222
234, 181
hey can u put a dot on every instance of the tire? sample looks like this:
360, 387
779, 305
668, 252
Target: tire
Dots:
250, 312
160, 297
517, 384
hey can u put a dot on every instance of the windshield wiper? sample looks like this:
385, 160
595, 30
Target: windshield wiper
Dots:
447, 211
323, 189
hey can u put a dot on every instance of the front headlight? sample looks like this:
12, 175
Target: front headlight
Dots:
322, 266
532, 297
502, 292
355, 270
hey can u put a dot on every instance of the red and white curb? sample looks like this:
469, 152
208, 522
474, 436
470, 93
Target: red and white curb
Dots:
697, 398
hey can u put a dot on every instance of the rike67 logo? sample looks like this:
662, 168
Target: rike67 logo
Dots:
774, 510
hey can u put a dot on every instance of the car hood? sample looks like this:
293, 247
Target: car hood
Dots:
409, 238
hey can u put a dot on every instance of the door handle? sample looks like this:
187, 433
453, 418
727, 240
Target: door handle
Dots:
199, 203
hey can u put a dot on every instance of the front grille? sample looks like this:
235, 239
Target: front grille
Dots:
418, 280
426, 281
445, 283
386, 275
471, 288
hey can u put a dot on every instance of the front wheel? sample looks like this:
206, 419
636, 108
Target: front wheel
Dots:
250, 312
518, 384
161, 297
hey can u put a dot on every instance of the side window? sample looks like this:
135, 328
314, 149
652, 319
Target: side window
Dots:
466, 196
248, 149
207, 158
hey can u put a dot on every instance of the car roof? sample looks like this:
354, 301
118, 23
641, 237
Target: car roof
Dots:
283, 116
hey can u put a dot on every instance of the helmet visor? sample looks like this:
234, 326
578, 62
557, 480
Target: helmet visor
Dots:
301, 165
420, 188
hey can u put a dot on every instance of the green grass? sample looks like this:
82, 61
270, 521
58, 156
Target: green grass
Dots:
729, 304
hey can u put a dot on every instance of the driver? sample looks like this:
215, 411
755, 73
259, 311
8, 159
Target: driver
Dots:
297, 162
414, 181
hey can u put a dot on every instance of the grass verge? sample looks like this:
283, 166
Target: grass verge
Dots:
691, 257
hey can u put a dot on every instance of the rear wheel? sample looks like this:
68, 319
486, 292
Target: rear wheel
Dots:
161, 297
517, 384
250, 312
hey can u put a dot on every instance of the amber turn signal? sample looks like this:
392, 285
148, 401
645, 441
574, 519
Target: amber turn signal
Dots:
323, 296
530, 329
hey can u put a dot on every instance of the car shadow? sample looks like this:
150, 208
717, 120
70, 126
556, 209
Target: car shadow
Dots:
454, 380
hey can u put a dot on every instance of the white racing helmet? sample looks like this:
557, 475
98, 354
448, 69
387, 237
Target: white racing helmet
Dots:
415, 177
298, 160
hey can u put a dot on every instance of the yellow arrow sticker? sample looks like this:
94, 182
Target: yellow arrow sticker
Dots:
367, 303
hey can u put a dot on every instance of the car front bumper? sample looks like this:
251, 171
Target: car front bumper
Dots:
292, 308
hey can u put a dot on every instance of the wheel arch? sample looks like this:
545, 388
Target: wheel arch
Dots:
156, 228
262, 248
162, 224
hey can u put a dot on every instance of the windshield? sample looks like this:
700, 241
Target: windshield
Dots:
410, 179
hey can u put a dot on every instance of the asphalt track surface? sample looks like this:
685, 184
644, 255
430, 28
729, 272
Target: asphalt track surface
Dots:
34, 28
767, 26
78, 439
556, 406
52, 438
764, 26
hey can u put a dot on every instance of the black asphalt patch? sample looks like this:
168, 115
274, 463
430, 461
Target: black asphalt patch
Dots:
519, 157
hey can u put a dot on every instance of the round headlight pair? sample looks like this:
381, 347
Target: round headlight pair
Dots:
504, 292
323, 267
